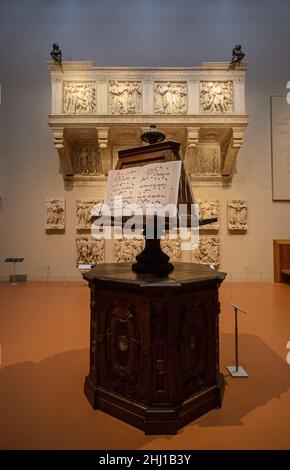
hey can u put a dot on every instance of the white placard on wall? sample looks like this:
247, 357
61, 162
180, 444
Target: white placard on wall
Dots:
280, 126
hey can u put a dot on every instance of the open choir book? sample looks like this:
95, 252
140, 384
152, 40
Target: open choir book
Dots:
151, 185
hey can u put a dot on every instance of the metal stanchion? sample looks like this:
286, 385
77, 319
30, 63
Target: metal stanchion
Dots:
236, 370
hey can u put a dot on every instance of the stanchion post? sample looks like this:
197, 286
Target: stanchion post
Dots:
236, 370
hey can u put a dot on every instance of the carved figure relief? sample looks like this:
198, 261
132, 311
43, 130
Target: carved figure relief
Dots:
125, 97
238, 214
83, 213
170, 98
89, 250
87, 160
79, 97
207, 159
207, 251
55, 214
172, 248
126, 250
208, 209
216, 97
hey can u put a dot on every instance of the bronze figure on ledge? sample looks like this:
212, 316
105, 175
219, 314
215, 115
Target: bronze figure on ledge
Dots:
56, 53
238, 56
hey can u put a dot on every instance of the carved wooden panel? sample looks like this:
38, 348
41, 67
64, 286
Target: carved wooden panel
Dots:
122, 344
194, 355
159, 310
154, 346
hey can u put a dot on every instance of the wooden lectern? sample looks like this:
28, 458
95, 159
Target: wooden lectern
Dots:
154, 340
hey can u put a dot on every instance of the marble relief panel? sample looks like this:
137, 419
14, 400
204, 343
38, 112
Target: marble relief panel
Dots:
237, 215
125, 97
89, 250
207, 159
84, 212
170, 98
209, 209
216, 96
126, 250
79, 97
172, 248
208, 251
87, 160
55, 214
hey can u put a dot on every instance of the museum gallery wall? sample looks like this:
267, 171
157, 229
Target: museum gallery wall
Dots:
43, 212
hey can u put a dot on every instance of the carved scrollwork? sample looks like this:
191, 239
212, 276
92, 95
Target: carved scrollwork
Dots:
122, 348
123, 343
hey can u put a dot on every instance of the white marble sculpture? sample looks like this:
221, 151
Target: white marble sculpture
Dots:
209, 209
83, 212
170, 98
172, 248
216, 97
89, 250
126, 250
125, 97
55, 214
207, 252
87, 160
79, 97
237, 215
199, 106
207, 160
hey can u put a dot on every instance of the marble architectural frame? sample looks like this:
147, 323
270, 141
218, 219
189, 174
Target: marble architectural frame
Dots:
83, 113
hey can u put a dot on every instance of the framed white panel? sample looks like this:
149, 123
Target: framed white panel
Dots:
280, 127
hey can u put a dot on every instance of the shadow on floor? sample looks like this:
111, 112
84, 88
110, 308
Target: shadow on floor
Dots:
269, 377
42, 406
